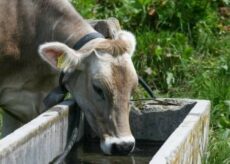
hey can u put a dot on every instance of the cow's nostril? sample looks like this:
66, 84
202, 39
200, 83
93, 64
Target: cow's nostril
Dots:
122, 148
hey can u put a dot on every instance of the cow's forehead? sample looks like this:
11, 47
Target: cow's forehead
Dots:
123, 69
122, 79
118, 70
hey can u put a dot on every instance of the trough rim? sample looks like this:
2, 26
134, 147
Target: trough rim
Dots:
172, 145
28, 131
163, 155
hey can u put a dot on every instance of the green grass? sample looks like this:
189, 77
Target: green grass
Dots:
179, 68
219, 147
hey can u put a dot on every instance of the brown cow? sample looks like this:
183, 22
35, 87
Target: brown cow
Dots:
100, 77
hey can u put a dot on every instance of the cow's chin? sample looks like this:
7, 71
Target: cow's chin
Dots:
118, 145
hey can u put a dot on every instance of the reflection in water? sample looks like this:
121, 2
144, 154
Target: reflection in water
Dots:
90, 153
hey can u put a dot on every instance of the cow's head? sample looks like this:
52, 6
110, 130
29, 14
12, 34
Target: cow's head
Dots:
101, 77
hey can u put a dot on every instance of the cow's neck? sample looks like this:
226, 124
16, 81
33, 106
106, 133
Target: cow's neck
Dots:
60, 22
34, 22
38, 22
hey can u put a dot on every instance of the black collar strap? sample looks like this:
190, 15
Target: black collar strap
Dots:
85, 39
61, 84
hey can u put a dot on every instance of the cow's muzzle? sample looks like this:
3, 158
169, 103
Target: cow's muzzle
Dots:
118, 146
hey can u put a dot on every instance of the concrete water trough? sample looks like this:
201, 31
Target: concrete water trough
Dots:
171, 130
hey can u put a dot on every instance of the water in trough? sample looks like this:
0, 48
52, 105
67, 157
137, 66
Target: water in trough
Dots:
90, 153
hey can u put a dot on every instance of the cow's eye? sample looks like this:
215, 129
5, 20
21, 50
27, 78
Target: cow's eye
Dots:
99, 91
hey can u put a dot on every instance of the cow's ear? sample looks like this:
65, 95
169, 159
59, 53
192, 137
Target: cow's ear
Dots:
60, 56
129, 38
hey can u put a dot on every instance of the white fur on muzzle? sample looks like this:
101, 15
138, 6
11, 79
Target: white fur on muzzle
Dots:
109, 142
